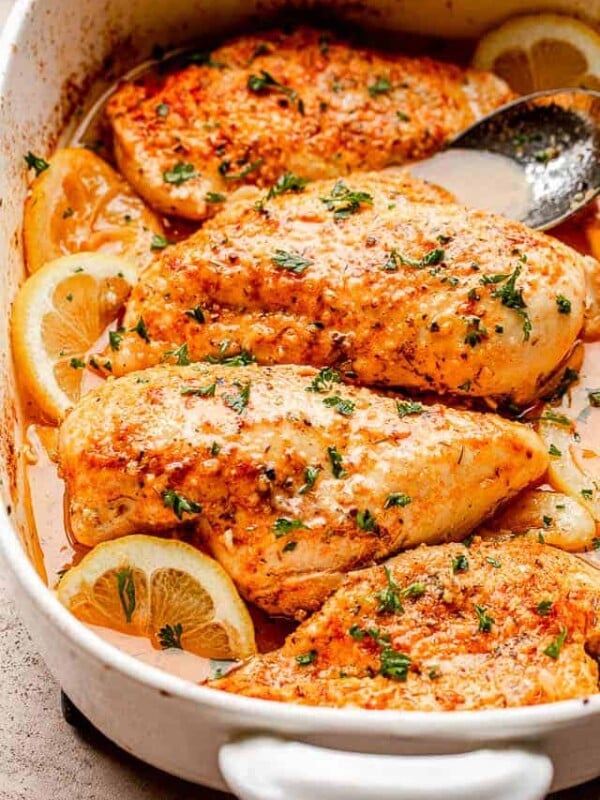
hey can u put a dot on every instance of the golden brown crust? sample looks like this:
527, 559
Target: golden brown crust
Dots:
397, 293
330, 113
242, 450
454, 664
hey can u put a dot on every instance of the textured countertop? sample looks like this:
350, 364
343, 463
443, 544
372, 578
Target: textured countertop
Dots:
43, 758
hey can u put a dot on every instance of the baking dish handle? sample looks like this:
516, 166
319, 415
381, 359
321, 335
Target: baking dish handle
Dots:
267, 768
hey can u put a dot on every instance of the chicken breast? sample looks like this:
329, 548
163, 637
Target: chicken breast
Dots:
423, 295
290, 477
267, 104
442, 629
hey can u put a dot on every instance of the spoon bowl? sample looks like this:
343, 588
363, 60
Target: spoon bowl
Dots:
554, 137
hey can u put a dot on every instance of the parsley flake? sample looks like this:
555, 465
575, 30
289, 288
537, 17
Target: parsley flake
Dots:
324, 381
366, 521
196, 314
284, 525
170, 636
288, 182
141, 330
563, 304
343, 407
310, 476
381, 86
460, 563
554, 648
306, 658
397, 499
544, 607
512, 298
292, 262
407, 408
180, 173
181, 505
336, 463
180, 354
36, 163
126, 590
199, 391
394, 665
344, 201
485, 622
238, 402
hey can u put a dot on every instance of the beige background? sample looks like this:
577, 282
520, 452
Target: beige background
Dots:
42, 758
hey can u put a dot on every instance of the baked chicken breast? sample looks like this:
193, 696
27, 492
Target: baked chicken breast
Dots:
441, 629
268, 104
290, 477
425, 295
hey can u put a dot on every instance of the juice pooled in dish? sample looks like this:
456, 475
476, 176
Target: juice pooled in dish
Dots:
287, 360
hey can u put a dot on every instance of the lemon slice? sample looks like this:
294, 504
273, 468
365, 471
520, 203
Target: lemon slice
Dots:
542, 51
58, 314
81, 204
164, 589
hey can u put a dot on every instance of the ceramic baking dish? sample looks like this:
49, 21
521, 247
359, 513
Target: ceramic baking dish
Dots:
53, 55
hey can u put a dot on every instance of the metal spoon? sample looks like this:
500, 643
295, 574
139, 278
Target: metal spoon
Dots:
553, 138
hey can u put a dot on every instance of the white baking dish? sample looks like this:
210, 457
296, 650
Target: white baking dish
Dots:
50, 52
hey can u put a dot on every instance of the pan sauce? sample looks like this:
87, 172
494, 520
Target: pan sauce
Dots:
54, 550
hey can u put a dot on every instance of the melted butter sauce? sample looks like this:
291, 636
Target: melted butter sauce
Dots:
54, 551
483, 180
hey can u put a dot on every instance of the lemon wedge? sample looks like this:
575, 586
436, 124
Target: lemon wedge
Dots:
542, 51
79, 203
58, 314
163, 589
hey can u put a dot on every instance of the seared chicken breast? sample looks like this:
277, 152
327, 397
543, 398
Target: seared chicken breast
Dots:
290, 477
264, 105
425, 295
441, 629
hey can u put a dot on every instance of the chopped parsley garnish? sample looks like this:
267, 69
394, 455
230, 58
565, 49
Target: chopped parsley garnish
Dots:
199, 391
460, 563
554, 451
488, 279
430, 259
180, 354
170, 636
540, 538
485, 622
203, 58
596, 543
238, 401
181, 505
402, 116
180, 173
336, 463
587, 494
394, 665
288, 182
284, 525
114, 339
554, 648
68, 212
559, 419
324, 381
476, 332
215, 197
397, 499
241, 359
344, 201
392, 261
265, 82
546, 521
563, 304
36, 163
76, 363
162, 109
356, 632
126, 590
381, 86
407, 408
243, 173
511, 297
569, 376
292, 262
390, 598
544, 607
466, 386
290, 546
215, 449
306, 658
141, 330
366, 521
196, 314
494, 562
594, 398
343, 407
310, 476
